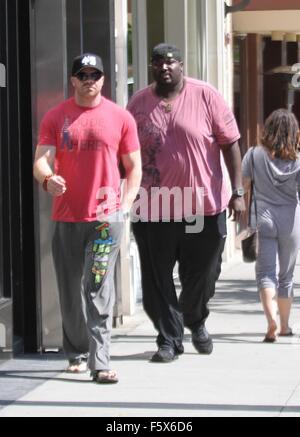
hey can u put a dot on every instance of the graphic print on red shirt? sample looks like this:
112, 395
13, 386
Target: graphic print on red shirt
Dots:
89, 143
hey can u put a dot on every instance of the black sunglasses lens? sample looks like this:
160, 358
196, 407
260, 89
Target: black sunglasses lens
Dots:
97, 75
93, 76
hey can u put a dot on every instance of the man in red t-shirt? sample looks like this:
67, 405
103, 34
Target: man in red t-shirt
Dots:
81, 144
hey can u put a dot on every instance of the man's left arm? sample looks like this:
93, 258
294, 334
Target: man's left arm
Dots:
132, 164
233, 161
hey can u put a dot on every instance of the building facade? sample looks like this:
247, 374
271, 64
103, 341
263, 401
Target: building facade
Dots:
266, 54
266, 38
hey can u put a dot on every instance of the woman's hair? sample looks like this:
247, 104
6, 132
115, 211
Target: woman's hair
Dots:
281, 135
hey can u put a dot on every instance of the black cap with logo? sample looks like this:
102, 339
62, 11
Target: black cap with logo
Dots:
87, 60
166, 51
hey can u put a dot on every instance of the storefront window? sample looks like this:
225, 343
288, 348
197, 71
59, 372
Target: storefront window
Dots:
1, 243
130, 79
2, 86
1, 208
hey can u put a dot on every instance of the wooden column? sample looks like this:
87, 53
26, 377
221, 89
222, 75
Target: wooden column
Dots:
255, 87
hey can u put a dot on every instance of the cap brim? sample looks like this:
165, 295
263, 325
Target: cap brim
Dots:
175, 56
88, 66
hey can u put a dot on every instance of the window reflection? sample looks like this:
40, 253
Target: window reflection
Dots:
130, 79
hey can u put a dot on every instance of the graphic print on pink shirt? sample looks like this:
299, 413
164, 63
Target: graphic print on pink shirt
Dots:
181, 147
151, 138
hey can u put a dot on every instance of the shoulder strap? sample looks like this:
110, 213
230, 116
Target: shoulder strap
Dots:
252, 197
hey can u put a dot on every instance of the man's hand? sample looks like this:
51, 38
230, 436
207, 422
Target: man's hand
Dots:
233, 160
56, 186
132, 164
236, 207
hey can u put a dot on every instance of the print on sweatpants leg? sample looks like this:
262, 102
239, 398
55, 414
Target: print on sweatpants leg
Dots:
102, 249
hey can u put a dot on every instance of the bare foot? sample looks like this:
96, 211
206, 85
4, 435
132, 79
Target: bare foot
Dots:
271, 334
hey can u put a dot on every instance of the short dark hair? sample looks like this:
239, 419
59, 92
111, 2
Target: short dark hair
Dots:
281, 135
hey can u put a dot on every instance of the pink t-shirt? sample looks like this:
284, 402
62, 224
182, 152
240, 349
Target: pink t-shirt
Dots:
89, 143
181, 141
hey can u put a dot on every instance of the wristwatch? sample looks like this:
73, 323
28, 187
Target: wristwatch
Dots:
126, 215
238, 192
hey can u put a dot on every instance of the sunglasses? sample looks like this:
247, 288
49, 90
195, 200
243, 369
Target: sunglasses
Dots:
158, 63
95, 76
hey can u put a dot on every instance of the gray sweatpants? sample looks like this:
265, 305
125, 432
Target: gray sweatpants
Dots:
279, 239
85, 255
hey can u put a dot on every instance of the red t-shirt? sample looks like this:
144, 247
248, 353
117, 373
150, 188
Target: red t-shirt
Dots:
89, 143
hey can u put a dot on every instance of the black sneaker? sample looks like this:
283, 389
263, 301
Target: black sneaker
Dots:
165, 354
202, 341
179, 350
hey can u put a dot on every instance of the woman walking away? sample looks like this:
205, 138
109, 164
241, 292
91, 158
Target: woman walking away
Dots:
274, 167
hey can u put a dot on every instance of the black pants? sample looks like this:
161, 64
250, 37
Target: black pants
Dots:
199, 256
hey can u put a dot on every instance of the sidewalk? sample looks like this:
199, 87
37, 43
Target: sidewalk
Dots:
243, 377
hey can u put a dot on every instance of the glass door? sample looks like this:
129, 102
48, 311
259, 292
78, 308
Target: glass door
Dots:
5, 298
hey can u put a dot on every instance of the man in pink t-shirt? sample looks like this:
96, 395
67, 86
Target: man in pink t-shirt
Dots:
81, 144
184, 128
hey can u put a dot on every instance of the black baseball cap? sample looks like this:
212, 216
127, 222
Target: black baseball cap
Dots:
87, 60
166, 51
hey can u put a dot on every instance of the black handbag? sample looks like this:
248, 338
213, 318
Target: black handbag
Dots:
250, 247
250, 243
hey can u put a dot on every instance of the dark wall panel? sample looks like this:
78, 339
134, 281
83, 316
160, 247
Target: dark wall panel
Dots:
98, 37
16, 172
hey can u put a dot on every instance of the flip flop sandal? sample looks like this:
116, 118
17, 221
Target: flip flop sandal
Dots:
77, 367
105, 377
269, 340
288, 334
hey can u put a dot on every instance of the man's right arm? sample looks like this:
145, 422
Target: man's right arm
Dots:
43, 173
